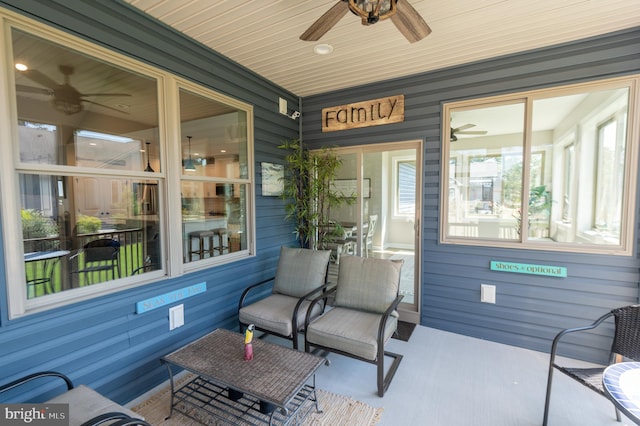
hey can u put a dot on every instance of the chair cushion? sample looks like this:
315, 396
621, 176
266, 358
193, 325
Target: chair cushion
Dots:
274, 313
85, 404
351, 331
367, 284
300, 271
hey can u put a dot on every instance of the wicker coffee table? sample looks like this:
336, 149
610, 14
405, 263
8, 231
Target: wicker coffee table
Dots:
276, 387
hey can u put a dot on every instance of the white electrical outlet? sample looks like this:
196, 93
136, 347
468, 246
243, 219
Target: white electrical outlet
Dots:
487, 293
176, 317
282, 107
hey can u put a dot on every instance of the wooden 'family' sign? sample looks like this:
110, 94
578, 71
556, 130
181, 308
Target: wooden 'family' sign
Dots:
363, 114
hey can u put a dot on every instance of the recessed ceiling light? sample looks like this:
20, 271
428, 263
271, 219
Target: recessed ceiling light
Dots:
21, 67
323, 49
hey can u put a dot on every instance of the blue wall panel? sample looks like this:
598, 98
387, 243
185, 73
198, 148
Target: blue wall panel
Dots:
530, 309
102, 342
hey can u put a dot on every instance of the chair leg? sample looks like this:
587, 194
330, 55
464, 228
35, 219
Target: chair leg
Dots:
385, 381
547, 398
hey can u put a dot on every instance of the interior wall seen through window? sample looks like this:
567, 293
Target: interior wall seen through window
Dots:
560, 179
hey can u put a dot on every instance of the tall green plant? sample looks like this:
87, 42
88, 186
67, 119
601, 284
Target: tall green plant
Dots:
308, 188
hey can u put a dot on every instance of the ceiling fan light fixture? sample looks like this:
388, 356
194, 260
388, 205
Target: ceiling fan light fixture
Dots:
66, 106
322, 49
372, 11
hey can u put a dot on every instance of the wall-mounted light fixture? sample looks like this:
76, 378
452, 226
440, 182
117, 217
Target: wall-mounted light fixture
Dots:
189, 164
148, 169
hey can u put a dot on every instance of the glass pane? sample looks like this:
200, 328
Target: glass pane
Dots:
79, 231
485, 172
75, 110
406, 188
214, 160
341, 235
214, 219
578, 167
214, 138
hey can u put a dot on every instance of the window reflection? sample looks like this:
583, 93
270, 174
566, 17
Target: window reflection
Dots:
77, 114
486, 183
214, 177
60, 242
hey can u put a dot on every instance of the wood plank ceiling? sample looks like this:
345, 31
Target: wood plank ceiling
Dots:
263, 35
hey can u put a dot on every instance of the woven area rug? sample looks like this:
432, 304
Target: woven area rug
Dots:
337, 410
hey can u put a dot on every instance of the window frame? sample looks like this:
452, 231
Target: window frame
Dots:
627, 233
168, 177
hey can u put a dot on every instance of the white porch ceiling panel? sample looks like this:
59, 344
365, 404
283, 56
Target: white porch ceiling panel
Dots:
263, 35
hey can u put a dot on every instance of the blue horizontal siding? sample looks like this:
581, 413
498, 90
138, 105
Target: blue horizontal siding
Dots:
102, 342
530, 310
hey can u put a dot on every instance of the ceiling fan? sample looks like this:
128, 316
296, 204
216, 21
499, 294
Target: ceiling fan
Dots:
402, 14
66, 98
462, 130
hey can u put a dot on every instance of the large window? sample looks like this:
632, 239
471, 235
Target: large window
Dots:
97, 200
548, 169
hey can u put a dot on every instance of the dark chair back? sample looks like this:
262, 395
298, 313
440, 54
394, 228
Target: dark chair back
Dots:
626, 341
102, 250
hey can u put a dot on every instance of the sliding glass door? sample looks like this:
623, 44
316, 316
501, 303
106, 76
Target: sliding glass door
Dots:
383, 220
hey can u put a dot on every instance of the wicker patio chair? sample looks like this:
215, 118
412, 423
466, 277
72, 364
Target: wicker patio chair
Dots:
625, 346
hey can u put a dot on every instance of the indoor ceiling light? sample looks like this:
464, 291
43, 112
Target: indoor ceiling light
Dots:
189, 164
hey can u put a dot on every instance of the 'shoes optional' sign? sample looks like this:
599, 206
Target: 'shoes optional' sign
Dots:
363, 114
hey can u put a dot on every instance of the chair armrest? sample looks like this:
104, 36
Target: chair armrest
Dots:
385, 316
294, 318
315, 301
34, 376
251, 287
122, 420
561, 334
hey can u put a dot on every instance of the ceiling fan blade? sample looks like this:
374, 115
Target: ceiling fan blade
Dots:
105, 106
40, 78
29, 89
464, 127
105, 94
409, 22
472, 132
326, 21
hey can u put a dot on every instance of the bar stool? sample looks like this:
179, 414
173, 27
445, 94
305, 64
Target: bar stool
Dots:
200, 236
220, 232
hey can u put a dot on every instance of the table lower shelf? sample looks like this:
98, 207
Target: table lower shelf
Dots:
203, 401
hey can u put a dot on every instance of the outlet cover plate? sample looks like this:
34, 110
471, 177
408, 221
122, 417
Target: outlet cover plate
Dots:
176, 317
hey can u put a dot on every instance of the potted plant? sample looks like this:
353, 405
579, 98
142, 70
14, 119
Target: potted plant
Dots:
309, 190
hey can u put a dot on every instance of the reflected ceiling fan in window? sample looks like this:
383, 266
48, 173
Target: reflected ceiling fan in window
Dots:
65, 97
402, 14
462, 130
